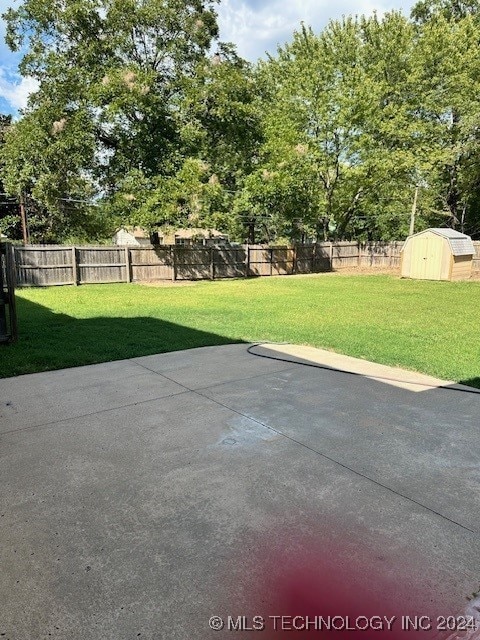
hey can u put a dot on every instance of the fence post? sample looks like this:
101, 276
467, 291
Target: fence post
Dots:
74, 266
212, 264
294, 265
271, 261
128, 265
247, 261
8, 316
12, 281
173, 260
330, 255
359, 261
13, 265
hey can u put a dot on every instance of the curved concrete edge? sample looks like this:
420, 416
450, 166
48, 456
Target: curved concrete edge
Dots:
222, 354
394, 376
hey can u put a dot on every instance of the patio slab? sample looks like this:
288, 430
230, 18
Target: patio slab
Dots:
139, 498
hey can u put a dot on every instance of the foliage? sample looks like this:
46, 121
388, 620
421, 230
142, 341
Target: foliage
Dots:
359, 117
451, 107
9, 219
111, 75
189, 198
135, 122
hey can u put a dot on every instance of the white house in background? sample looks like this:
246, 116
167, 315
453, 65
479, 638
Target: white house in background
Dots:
139, 237
186, 237
132, 236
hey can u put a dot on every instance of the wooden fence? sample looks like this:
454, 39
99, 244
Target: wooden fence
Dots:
8, 315
47, 265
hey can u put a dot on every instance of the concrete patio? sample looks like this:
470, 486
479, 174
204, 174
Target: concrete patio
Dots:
140, 497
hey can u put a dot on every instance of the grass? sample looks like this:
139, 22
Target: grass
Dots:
430, 327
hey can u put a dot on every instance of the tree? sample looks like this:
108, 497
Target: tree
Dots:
337, 118
364, 116
318, 119
447, 35
9, 218
190, 198
135, 122
426, 10
111, 75
396, 141
222, 126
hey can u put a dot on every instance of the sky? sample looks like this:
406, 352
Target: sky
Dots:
255, 26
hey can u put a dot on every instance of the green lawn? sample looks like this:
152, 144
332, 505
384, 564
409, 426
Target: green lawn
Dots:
431, 327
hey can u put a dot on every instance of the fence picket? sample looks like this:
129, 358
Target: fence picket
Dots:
47, 265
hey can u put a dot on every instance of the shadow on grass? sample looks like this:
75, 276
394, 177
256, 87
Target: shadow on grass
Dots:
49, 341
472, 382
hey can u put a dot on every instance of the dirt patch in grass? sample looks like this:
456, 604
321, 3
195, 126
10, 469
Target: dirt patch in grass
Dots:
366, 271
344, 271
167, 283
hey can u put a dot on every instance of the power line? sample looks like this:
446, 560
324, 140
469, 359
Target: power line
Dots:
91, 204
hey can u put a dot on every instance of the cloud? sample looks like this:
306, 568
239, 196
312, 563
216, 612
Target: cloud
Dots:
259, 26
14, 89
255, 26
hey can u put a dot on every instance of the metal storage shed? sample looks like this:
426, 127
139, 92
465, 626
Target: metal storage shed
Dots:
438, 254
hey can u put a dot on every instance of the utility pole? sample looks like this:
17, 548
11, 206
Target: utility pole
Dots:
251, 232
414, 211
462, 221
23, 217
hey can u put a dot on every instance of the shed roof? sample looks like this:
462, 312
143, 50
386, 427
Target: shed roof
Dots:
460, 243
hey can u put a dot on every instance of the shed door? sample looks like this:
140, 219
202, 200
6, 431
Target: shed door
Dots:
427, 258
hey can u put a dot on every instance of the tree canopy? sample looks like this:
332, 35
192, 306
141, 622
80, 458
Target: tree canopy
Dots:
143, 117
